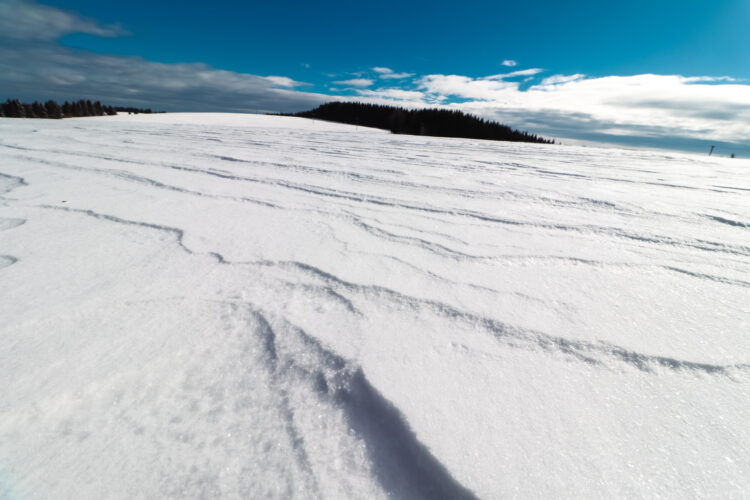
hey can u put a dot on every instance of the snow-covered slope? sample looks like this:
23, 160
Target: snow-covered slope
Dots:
238, 305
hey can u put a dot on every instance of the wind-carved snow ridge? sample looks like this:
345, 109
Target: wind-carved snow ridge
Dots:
10, 182
177, 233
7, 260
403, 467
590, 352
7, 184
717, 279
729, 222
6, 224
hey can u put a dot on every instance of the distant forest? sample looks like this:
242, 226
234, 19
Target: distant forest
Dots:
433, 122
13, 108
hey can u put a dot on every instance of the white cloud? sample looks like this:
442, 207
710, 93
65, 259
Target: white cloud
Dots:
667, 106
464, 87
558, 79
28, 20
63, 74
512, 74
709, 79
388, 73
509, 62
394, 94
397, 76
356, 82
283, 81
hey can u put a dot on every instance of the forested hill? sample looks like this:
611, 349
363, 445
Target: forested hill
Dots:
13, 108
434, 122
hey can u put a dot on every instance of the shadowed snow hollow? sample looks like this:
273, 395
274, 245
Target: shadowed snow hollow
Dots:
268, 307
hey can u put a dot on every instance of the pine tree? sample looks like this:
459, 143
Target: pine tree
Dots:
39, 110
14, 109
53, 109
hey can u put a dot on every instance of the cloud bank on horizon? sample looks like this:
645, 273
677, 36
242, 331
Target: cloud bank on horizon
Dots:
646, 109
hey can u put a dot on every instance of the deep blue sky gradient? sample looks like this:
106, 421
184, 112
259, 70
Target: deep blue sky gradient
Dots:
687, 37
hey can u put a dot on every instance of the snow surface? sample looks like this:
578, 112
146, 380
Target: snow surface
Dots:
198, 305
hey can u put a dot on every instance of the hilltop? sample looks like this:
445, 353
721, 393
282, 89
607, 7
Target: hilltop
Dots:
431, 122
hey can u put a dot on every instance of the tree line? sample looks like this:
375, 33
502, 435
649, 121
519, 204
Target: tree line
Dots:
13, 108
433, 122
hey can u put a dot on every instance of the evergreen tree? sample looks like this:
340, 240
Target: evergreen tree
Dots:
53, 109
79, 108
15, 109
39, 110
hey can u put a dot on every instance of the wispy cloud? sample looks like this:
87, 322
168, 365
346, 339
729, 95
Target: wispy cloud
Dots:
387, 73
509, 62
514, 74
23, 20
356, 82
710, 79
557, 79
60, 73
34, 66
283, 81
384, 95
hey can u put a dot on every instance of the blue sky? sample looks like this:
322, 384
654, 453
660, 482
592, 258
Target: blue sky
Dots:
686, 37
614, 71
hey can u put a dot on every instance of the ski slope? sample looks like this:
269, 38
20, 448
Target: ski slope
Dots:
217, 305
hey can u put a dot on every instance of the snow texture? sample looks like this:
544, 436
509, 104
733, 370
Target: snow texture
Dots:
203, 306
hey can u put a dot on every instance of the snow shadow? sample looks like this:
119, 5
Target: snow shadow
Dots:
403, 466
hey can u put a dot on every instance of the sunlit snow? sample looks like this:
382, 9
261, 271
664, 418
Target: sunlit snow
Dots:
269, 307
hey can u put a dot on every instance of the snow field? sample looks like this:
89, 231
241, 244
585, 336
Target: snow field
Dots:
239, 305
